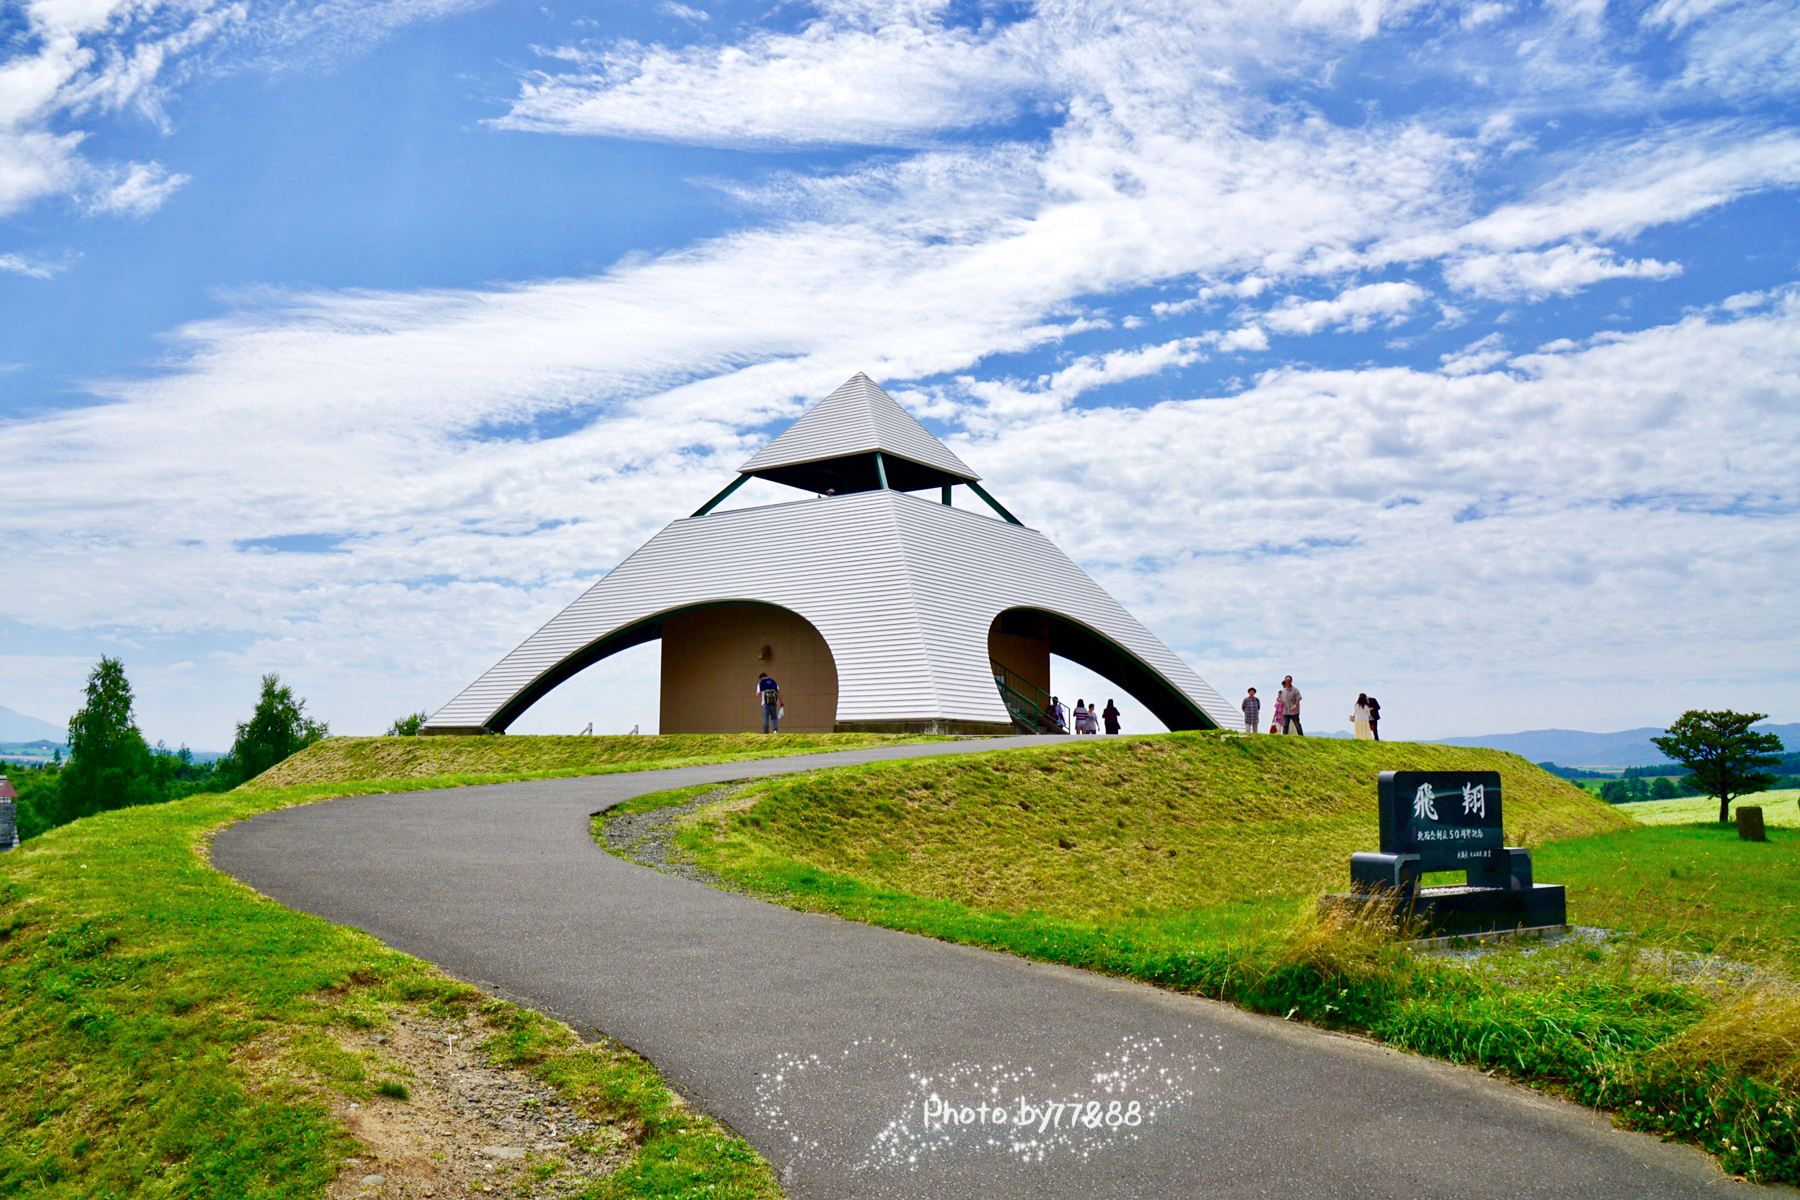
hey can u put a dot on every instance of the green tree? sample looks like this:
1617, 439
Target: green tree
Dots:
1725, 755
277, 729
1663, 788
39, 797
408, 726
109, 764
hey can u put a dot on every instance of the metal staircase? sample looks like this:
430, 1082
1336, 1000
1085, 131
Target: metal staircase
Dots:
1028, 703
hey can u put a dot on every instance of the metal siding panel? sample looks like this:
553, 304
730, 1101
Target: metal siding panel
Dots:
903, 591
856, 418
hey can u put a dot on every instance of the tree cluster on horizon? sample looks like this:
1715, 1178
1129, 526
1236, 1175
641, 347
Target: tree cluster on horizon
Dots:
111, 766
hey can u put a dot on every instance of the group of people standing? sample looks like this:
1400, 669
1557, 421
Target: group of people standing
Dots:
1087, 721
1365, 717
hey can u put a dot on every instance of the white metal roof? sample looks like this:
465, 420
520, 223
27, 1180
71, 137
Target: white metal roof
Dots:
902, 589
855, 419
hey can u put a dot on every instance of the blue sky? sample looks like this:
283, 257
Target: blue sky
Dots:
1447, 351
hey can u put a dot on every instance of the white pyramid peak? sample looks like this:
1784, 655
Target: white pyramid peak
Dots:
855, 419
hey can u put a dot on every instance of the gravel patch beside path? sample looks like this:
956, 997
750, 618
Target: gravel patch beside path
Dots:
648, 838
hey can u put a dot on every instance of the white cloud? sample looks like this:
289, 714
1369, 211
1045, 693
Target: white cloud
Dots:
1559, 271
1620, 190
1478, 355
18, 264
136, 190
871, 75
70, 61
1003, 401
1492, 546
1356, 309
1744, 51
682, 12
77, 58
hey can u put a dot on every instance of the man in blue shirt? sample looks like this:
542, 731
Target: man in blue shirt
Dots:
770, 695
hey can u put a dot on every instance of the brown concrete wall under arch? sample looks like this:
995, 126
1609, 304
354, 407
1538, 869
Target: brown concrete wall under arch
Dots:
711, 657
1019, 640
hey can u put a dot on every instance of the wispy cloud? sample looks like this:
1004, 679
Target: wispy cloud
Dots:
859, 74
682, 12
72, 61
19, 264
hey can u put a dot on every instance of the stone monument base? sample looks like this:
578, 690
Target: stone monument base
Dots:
1454, 911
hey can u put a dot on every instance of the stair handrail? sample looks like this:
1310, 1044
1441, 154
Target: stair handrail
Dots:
1028, 693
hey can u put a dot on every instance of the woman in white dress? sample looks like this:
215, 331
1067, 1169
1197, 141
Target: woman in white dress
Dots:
1359, 716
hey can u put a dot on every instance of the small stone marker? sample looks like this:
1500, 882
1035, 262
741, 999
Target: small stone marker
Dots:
1750, 824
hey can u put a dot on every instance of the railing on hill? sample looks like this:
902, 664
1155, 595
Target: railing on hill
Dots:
1028, 703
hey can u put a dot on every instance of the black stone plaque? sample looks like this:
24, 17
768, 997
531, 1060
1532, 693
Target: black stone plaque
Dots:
1450, 819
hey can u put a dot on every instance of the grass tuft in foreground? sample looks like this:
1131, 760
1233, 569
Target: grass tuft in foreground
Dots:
1064, 855
167, 1032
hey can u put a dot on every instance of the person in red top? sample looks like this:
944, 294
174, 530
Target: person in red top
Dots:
1110, 714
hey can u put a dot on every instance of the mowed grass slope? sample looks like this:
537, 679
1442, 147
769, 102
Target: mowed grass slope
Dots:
500, 757
1699, 887
165, 1031
1105, 829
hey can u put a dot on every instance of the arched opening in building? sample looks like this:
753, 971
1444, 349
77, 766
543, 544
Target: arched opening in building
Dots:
1021, 641
711, 657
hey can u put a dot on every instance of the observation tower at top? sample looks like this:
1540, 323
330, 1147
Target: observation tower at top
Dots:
875, 609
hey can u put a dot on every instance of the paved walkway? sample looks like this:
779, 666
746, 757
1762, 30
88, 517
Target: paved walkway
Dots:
824, 1042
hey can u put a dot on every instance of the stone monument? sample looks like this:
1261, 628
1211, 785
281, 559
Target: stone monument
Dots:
1451, 821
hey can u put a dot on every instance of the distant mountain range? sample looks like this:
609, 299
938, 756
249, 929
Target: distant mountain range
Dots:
1574, 748
17, 727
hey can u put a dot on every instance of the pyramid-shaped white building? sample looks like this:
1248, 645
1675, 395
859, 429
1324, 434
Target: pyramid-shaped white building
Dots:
873, 608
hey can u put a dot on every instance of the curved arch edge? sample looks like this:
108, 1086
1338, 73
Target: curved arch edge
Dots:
1089, 647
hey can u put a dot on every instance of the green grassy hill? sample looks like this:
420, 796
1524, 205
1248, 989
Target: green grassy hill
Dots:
167, 1032
1098, 830
484, 759
1193, 861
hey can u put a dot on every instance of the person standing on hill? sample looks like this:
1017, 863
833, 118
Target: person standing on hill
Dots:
1058, 717
1359, 717
1280, 712
1374, 718
1290, 707
770, 696
1252, 713
1110, 714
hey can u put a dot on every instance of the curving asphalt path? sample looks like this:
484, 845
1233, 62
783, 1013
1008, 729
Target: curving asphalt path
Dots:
823, 1042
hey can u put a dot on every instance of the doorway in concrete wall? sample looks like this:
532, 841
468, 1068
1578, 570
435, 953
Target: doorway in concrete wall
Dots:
712, 655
